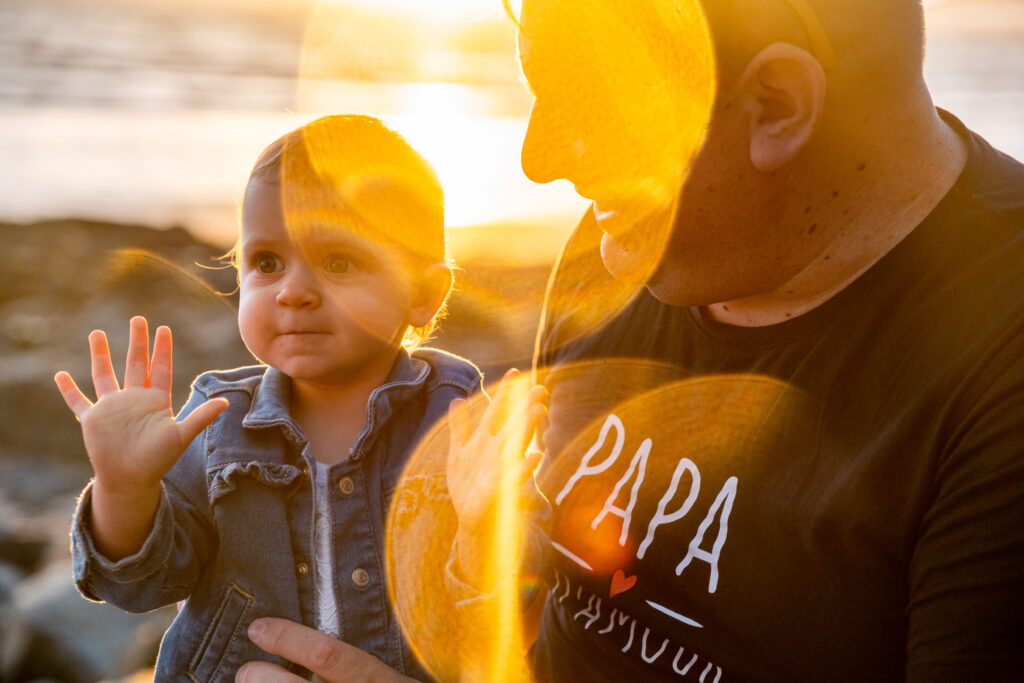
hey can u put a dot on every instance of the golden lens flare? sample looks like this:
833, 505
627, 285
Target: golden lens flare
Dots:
617, 428
623, 95
460, 637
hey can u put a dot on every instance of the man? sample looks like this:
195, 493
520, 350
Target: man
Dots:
796, 453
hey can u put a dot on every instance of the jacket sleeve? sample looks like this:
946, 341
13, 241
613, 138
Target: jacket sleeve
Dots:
181, 541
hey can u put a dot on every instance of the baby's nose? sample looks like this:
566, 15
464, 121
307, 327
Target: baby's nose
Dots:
299, 289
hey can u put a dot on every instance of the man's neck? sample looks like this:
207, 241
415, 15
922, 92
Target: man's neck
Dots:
896, 181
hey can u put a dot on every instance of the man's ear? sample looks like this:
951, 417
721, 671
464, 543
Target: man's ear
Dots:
429, 292
783, 90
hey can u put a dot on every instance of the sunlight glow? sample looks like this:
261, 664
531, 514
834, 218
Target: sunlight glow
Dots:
459, 633
436, 119
442, 9
449, 85
505, 662
618, 114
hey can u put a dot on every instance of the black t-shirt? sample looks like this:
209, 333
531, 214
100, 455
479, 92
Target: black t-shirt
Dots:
836, 497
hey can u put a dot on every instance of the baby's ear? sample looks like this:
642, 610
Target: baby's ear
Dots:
783, 89
429, 292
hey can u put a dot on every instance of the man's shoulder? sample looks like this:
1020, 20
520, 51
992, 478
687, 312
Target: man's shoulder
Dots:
981, 229
992, 179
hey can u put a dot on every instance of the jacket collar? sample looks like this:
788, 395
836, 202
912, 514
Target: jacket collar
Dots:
269, 406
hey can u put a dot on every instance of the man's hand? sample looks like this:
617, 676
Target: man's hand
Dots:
331, 660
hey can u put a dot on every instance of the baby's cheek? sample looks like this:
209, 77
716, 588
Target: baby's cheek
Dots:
250, 325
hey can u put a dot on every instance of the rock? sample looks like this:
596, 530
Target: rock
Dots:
14, 633
66, 278
63, 279
74, 640
23, 553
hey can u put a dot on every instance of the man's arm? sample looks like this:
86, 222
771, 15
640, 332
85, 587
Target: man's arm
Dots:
966, 610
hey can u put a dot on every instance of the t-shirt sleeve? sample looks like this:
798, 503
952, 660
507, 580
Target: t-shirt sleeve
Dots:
966, 609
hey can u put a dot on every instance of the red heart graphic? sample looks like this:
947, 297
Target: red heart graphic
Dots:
621, 583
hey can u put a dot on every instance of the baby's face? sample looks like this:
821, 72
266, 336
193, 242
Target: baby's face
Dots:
322, 303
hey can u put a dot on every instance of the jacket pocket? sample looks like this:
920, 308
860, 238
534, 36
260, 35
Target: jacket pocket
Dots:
228, 623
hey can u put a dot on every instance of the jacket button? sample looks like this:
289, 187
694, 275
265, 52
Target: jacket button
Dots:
302, 570
361, 578
346, 486
305, 470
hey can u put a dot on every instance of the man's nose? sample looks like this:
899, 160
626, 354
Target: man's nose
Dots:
550, 151
299, 287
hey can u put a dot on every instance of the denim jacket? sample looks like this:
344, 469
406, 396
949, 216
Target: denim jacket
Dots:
234, 529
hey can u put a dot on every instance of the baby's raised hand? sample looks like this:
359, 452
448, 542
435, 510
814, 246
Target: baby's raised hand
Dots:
130, 434
488, 464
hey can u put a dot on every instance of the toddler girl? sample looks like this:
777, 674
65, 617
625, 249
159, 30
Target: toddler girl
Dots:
267, 495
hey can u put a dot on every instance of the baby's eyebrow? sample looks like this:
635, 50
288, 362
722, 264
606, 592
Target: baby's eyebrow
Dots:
260, 244
331, 238
351, 247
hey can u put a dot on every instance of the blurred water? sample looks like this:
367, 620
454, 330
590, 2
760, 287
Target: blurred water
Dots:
152, 112
144, 55
981, 80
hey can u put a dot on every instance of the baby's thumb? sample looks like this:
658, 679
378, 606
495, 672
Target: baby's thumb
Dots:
200, 418
529, 464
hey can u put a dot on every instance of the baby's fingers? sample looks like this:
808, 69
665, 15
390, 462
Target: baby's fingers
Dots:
103, 378
498, 412
161, 372
529, 464
460, 425
537, 408
73, 396
136, 366
523, 416
199, 419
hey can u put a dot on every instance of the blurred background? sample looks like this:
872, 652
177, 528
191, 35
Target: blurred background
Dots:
127, 130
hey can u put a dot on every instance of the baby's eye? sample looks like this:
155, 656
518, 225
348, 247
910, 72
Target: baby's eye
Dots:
337, 263
268, 263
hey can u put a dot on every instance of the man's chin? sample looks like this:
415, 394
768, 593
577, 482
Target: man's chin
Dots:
644, 269
627, 266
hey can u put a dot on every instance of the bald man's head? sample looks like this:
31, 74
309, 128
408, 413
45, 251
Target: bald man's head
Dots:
877, 45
